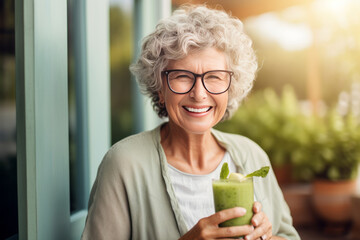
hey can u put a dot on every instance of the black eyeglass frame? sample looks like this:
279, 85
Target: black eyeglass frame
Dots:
167, 72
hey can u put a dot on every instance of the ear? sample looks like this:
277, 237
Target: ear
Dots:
161, 97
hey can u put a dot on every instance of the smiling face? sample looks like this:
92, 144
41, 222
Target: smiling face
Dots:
197, 111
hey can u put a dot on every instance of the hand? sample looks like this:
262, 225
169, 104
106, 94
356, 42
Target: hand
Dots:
263, 227
208, 228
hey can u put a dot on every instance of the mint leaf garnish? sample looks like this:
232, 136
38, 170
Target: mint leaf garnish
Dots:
224, 171
262, 172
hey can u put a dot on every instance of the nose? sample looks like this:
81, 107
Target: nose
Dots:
198, 92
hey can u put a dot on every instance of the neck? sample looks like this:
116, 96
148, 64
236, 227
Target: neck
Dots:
191, 152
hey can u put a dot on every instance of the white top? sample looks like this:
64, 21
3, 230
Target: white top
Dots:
194, 192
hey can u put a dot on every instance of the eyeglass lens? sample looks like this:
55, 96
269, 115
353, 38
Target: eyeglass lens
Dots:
214, 81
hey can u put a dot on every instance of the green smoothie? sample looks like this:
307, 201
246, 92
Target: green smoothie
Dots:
230, 193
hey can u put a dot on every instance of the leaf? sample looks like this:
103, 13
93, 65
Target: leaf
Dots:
224, 171
262, 172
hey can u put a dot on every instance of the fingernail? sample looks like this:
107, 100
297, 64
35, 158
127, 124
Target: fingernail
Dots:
263, 237
242, 210
247, 238
255, 223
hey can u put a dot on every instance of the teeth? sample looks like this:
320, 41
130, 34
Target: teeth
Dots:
197, 110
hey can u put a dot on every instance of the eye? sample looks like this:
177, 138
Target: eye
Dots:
181, 76
213, 76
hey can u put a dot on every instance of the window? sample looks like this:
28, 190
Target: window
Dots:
8, 165
121, 54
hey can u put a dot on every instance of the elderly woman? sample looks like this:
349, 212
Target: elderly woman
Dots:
197, 67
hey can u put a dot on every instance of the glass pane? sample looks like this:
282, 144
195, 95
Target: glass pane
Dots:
121, 54
72, 127
76, 201
8, 171
121, 50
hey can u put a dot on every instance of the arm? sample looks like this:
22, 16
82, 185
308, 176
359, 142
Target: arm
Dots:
108, 214
273, 203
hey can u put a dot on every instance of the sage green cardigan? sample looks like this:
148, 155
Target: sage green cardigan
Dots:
132, 197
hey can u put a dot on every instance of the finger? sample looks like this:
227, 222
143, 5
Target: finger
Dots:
257, 219
268, 235
256, 234
226, 214
262, 230
257, 207
265, 237
234, 231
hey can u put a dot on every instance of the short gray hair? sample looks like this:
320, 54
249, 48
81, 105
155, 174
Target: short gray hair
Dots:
192, 28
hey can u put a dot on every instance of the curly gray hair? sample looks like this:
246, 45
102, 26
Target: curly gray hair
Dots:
194, 28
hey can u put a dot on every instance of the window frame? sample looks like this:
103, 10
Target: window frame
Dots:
42, 113
42, 107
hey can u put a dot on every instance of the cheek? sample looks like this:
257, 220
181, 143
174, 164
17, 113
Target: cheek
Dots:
223, 107
171, 100
224, 102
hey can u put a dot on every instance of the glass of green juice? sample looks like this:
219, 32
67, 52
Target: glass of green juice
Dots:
229, 193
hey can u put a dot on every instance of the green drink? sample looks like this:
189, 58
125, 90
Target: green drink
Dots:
230, 193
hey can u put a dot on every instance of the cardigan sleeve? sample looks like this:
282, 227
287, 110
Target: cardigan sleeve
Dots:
252, 157
108, 212
274, 205
281, 212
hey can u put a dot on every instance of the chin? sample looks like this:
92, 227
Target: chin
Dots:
198, 128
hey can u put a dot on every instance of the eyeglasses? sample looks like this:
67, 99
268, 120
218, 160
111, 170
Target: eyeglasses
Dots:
182, 81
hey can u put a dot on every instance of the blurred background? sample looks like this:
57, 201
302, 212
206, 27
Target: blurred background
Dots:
304, 110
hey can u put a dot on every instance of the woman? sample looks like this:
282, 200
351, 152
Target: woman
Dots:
197, 67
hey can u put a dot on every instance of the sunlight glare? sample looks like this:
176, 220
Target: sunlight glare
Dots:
290, 36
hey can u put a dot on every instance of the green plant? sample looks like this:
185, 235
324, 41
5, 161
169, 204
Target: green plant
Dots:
332, 149
271, 121
325, 147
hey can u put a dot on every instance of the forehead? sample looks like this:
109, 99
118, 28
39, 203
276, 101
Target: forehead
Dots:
201, 61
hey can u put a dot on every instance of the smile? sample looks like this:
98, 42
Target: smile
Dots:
198, 110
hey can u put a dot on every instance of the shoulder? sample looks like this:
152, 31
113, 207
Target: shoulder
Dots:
131, 152
238, 141
136, 142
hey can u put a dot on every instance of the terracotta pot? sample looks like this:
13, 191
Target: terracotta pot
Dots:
355, 232
332, 200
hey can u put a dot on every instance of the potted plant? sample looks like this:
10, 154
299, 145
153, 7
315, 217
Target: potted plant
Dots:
331, 156
336, 180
